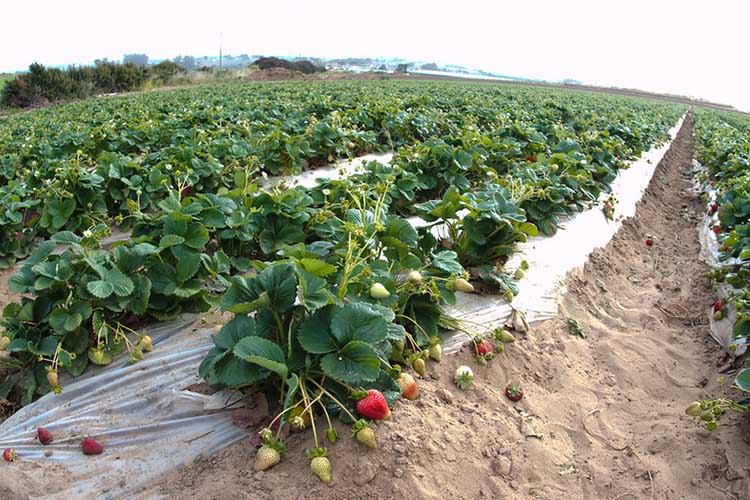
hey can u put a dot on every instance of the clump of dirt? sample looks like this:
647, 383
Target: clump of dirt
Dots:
603, 417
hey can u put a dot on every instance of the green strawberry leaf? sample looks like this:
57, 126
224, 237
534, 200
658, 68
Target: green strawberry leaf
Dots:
355, 363
262, 352
358, 321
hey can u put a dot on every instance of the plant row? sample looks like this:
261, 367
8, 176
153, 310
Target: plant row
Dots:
723, 148
72, 167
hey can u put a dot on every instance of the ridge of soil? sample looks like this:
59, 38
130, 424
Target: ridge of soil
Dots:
603, 417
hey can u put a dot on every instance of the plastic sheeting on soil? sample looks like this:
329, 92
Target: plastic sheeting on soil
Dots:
720, 330
150, 424
146, 423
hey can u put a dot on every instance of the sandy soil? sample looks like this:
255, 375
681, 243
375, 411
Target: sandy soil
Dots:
6, 296
603, 417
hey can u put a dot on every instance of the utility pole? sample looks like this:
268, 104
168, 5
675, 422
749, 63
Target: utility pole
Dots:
221, 43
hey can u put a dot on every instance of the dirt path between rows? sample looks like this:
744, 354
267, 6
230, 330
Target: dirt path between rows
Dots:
603, 417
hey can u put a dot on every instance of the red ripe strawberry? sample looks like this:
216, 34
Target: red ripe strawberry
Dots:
484, 347
649, 242
374, 406
19, 236
717, 229
44, 436
718, 306
514, 392
714, 208
9, 454
186, 191
91, 447
531, 158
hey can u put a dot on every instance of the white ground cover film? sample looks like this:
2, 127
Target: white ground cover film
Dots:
720, 330
149, 422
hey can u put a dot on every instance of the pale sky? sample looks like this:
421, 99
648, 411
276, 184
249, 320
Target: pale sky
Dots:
695, 48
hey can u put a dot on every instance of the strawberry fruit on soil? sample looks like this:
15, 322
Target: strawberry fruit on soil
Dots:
89, 446
44, 436
409, 387
717, 229
373, 405
718, 306
436, 352
319, 464
9, 455
464, 377
514, 392
364, 433
484, 347
266, 458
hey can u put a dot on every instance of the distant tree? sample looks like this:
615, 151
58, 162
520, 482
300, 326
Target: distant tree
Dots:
165, 70
103, 60
187, 62
402, 68
382, 67
137, 59
430, 67
301, 66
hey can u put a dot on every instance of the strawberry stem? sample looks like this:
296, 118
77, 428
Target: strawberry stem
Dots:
334, 399
312, 416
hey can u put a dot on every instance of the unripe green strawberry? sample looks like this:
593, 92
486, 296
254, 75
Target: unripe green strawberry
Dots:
718, 315
436, 352
4, 341
366, 436
694, 409
508, 296
519, 274
378, 291
321, 467
462, 285
504, 336
136, 355
414, 277
52, 378
419, 366
146, 343
409, 387
332, 435
266, 458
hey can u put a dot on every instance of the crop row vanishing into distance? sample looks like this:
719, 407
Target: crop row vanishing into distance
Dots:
332, 290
